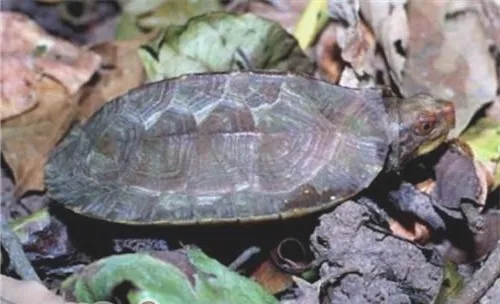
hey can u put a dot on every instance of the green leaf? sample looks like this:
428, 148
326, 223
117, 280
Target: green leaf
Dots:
182, 276
484, 139
145, 15
452, 283
127, 27
221, 42
312, 22
177, 12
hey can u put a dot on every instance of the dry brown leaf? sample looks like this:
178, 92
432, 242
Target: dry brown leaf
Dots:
356, 42
29, 53
389, 22
449, 57
26, 292
28, 138
358, 47
16, 92
122, 71
271, 277
330, 65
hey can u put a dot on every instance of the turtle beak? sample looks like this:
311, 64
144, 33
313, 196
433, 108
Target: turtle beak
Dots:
448, 113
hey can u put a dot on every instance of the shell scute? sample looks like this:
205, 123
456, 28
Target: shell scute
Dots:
222, 147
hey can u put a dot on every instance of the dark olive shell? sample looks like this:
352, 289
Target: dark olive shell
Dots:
225, 147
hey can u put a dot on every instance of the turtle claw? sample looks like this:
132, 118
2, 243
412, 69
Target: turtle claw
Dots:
475, 221
409, 199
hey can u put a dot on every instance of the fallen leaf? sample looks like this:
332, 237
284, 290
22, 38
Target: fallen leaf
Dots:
143, 15
237, 42
311, 23
17, 93
356, 43
484, 139
177, 12
182, 276
358, 46
389, 22
53, 71
30, 54
70, 65
27, 139
26, 292
272, 278
330, 64
449, 57
287, 18
452, 284
81, 22
490, 17
122, 71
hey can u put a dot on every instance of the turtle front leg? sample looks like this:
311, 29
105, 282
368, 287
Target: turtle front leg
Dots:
475, 220
409, 199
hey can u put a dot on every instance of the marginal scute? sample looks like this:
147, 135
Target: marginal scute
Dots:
222, 147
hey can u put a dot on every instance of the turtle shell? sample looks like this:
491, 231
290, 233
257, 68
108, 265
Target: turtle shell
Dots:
223, 147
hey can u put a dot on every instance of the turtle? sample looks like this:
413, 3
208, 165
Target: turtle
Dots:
242, 146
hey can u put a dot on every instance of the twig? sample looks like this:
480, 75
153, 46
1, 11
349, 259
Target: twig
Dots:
18, 258
481, 281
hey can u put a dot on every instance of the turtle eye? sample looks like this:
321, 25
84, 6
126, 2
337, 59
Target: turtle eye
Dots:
425, 124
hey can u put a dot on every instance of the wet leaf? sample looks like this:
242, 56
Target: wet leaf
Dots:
140, 15
484, 139
236, 42
28, 138
32, 53
182, 276
123, 71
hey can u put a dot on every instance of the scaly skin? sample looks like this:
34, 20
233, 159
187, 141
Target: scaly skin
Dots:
419, 124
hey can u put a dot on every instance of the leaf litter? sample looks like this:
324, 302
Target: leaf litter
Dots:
405, 45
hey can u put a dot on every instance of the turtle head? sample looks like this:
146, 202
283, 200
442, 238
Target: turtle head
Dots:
419, 124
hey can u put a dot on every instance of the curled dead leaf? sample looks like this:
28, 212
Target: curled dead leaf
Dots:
43, 77
330, 65
272, 278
